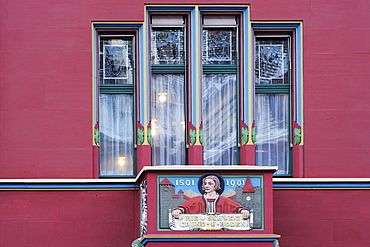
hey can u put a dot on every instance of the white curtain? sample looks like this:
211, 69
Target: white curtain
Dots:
168, 119
219, 99
116, 134
272, 131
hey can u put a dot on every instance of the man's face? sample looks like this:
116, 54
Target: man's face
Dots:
209, 185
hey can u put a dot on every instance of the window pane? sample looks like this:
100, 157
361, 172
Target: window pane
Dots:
272, 131
116, 134
168, 119
219, 46
272, 60
219, 101
167, 45
116, 60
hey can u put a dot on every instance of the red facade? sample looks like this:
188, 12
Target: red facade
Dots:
49, 195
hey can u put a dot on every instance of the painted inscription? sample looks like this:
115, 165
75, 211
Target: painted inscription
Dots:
209, 222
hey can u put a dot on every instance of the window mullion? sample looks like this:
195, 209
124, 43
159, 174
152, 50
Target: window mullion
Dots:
167, 69
270, 88
125, 89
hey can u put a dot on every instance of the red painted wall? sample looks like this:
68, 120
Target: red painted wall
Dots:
106, 218
322, 218
46, 68
46, 122
68, 218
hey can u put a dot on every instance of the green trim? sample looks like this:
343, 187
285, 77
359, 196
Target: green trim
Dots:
201, 136
297, 136
253, 135
96, 136
140, 136
137, 242
245, 133
192, 134
168, 69
272, 88
149, 136
115, 88
220, 69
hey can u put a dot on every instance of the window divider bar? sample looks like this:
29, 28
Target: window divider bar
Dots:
168, 69
220, 69
124, 89
272, 88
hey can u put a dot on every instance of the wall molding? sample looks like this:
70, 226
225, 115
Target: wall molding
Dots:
131, 184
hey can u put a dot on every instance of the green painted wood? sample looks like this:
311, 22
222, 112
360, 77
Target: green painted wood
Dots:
168, 69
272, 88
121, 88
220, 69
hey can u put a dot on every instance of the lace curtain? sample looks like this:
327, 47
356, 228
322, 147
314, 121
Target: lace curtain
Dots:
168, 119
116, 134
272, 131
219, 105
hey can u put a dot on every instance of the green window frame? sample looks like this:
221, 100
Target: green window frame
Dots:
273, 96
116, 115
220, 88
169, 80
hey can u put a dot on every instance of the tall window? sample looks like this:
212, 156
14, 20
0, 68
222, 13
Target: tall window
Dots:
168, 115
272, 100
198, 65
219, 89
116, 104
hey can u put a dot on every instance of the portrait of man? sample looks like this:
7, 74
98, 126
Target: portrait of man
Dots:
211, 201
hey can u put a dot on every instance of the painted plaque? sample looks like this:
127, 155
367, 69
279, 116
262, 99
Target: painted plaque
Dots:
210, 202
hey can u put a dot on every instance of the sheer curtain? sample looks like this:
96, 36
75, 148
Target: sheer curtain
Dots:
272, 131
116, 134
219, 119
168, 119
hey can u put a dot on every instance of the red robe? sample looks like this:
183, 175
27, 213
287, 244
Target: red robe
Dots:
198, 204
